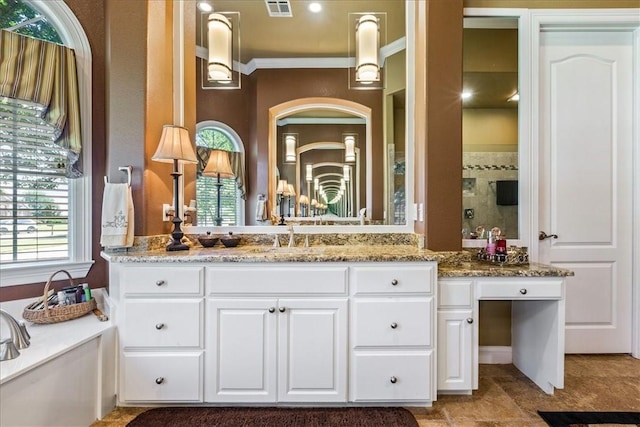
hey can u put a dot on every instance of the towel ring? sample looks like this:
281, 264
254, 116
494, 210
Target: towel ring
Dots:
127, 169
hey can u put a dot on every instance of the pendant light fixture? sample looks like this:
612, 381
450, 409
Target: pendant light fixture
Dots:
220, 36
367, 47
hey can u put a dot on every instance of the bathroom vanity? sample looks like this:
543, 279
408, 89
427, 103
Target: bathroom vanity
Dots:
321, 325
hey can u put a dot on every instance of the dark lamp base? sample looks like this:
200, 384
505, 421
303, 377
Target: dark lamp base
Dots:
177, 247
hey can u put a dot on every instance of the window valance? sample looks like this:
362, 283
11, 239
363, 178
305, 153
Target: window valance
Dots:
44, 73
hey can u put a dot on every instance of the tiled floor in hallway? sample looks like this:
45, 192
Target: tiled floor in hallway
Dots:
506, 398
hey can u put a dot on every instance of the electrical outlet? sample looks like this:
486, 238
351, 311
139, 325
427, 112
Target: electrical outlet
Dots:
166, 212
469, 213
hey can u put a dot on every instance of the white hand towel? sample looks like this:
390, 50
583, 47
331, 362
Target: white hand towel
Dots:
117, 216
261, 210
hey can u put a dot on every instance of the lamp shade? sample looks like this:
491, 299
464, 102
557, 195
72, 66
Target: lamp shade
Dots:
220, 36
367, 45
304, 200
218, 164
349, 148
290, 191
175, 145
282, 186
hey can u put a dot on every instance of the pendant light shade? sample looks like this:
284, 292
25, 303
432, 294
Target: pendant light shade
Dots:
349, 148
367, 46
290, 141
220, 36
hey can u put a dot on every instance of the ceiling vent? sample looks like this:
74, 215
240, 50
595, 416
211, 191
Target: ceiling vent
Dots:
279, 8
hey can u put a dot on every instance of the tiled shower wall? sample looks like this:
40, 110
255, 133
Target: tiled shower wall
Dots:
480, 171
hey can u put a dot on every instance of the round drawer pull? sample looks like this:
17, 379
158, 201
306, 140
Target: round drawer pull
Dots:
393, 380
159, 380
469, 320
394, 325
281, 309
394, 282
272, 309
160, 282
523, 291
159, 326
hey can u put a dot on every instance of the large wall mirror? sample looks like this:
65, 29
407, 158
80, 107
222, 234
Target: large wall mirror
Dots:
493, 132
300, 113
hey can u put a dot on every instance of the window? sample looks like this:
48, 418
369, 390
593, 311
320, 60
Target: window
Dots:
217, 135
44, 215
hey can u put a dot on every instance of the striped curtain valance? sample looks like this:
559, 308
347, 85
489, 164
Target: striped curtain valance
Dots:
44, 73
237, 166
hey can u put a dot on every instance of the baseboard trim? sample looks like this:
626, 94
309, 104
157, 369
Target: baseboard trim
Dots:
495, 355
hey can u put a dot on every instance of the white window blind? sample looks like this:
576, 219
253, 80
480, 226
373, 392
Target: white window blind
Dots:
34, 192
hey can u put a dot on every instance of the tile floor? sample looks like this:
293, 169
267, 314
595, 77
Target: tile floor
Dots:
506, 398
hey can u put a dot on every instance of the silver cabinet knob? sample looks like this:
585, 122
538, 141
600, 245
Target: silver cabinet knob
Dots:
272, 309
281, 309
160, 282
394, 282
523, 291
393, 380
394, 325
159, 380
159, 326
469, 320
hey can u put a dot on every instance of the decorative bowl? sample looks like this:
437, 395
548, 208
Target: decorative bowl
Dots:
230, 241
207, 240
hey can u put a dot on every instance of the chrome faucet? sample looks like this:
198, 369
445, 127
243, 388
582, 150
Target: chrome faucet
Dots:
292, 240
19, 337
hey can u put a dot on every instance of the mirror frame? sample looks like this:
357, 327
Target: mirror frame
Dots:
301, 105
413, 57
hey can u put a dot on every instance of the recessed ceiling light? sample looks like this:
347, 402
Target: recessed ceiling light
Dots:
204, 6
315, 7
466, 95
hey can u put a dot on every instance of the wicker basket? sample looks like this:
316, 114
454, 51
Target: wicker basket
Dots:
59, 313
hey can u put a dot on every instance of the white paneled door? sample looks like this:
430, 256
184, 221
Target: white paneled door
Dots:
585, 186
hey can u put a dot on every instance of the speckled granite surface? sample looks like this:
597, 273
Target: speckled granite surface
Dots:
450, 264
479, 269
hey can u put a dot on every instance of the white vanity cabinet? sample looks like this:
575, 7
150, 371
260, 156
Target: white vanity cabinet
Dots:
457, 327
537, 328
276, 333
159, 315
392, 332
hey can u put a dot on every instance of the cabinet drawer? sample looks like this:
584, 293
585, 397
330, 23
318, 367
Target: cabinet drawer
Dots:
158, 377
276, 279
162, 323
393, 279
392, 322
398, 376
162, 280
455, 293
515, 289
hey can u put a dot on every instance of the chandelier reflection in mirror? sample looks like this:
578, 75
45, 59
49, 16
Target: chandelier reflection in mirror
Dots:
223, 43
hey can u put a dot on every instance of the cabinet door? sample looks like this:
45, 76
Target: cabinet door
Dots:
455, 352
312, 346
241, 350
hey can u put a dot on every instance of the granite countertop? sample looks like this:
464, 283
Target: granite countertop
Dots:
258, 254
450, 264
481, 269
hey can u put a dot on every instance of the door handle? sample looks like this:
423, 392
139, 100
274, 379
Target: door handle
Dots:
544, 235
